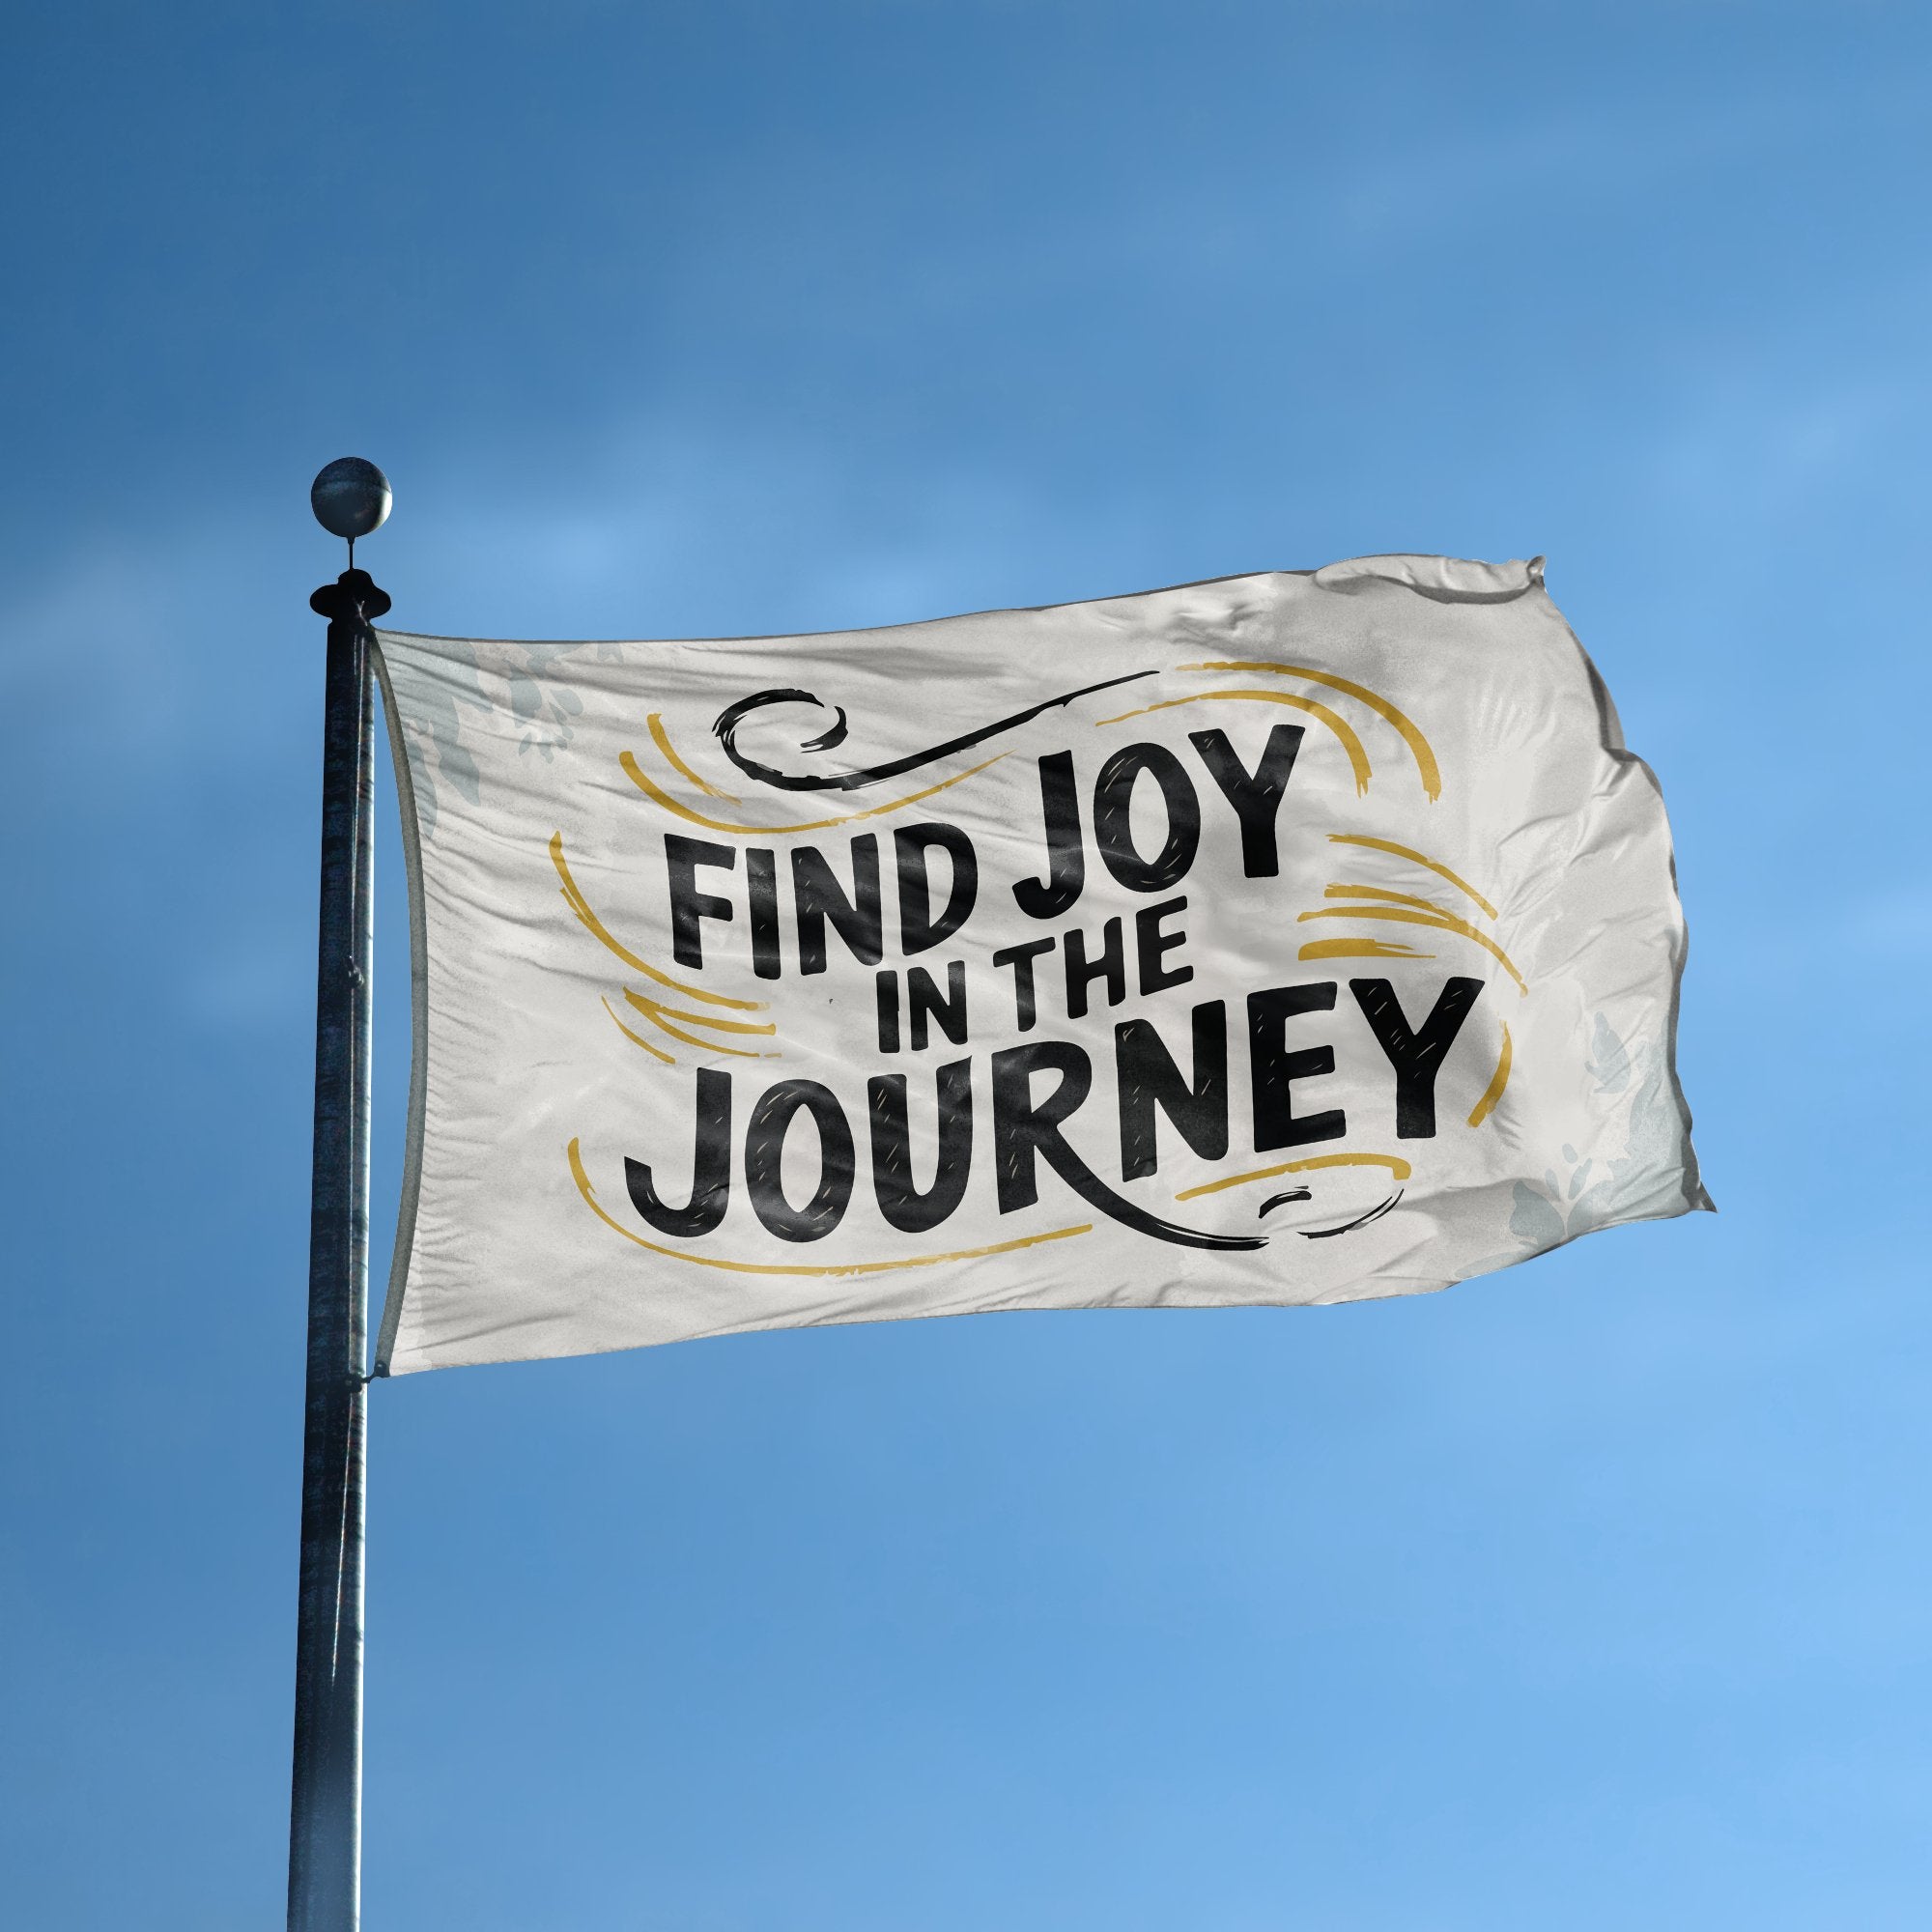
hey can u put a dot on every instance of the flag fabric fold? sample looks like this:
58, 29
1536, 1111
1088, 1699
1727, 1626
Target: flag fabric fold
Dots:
1293, 938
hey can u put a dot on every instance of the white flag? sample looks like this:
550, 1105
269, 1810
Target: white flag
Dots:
1289, 938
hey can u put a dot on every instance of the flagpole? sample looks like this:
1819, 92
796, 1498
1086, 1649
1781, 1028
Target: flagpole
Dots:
351, 497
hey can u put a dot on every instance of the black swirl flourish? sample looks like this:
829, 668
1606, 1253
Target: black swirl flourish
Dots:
729, 719
1374, 1214
1277, 1200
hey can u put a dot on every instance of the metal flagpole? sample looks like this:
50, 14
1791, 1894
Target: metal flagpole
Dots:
351, 497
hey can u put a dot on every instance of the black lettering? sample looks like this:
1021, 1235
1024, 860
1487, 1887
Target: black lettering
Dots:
1256, 795
1113, 812
1272, 1069
764, 1160
1065, 859
710, 1168
1112, 966
859, 920
903, 1204
1020, 959
919, 930
1149, 1079
1150, 943
1025, 1133
887, 985
761, 876
1416, 1057
688, 905
924, 1001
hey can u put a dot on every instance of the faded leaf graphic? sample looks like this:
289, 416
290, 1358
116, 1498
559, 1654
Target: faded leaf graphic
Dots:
1558, 1209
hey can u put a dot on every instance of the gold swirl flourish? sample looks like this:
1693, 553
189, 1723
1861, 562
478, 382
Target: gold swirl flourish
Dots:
660, 738
661, 1017
1345, 732
573, 897
1446, 922
1341, 892
1398, 1168
1435, 866
1498, 1079
635, 1039
1359, 948
1426, 766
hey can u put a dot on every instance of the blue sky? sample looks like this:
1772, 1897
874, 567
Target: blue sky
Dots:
1590, 1595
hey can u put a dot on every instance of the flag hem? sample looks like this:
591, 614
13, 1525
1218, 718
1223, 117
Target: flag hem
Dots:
411, 1188
1492, 590
1696, 1196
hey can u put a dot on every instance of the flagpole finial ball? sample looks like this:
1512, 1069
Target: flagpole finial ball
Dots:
349, 497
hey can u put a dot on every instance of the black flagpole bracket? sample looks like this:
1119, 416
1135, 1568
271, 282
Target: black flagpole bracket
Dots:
354, 598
